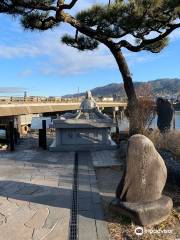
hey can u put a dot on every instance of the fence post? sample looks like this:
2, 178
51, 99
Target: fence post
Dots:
42, 136
174, 119
15, 136
11, 136
117, 125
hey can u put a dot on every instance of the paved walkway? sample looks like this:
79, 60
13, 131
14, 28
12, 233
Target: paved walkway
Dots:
36, 196
91, 223
106, 158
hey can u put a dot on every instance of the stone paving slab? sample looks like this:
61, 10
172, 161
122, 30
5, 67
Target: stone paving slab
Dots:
91, 217
105, 158
87, 227
35, 195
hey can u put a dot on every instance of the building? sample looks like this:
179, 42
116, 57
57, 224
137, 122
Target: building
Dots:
106, 99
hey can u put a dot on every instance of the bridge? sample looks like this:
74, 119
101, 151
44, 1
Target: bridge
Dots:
16, 109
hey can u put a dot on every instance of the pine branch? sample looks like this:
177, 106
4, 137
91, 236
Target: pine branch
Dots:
66, 6
38, 21
147, 42
6, 6
82, 43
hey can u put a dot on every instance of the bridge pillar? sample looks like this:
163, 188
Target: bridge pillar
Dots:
115, 109
121, 113
101, 108
114, 114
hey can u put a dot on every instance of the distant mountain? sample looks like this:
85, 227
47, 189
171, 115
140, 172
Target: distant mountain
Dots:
167, 86
164, 86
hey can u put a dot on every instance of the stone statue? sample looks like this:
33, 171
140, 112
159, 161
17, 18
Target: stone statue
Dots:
88, 110
87, 129
88, 103
165, 114
69, 115
139, 193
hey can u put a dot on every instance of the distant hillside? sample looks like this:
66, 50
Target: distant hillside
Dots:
159, 86
167, 86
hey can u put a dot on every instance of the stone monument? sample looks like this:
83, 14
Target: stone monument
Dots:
87, 129
165, 114
139, 193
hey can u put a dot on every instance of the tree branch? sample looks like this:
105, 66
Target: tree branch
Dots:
145, 42
62, 6
4, 7
84, 29
41, 7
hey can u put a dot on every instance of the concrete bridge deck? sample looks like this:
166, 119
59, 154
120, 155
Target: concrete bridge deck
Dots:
30, 108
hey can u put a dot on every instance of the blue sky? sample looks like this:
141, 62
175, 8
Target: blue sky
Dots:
39, 63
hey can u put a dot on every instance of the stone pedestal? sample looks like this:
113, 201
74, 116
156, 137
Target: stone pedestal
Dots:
144, 214
82, 135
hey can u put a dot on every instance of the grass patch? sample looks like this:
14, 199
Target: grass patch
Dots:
121, 228
169, 141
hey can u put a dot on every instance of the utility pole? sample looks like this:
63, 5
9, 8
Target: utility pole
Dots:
78, 95
25, 95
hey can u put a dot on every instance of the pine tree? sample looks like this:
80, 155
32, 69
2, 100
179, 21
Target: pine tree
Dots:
148, 22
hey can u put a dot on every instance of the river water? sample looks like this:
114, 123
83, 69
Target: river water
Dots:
123, 124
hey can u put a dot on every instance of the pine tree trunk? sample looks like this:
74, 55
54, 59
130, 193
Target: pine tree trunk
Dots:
134, 127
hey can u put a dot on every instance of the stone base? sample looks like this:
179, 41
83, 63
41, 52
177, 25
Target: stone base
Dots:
144, 214
85, 147
81, 135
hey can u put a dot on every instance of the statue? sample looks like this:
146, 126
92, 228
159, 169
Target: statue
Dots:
87, 129
88, 103
88, 110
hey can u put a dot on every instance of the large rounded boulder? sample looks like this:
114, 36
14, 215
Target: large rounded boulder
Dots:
139, 193
145, 174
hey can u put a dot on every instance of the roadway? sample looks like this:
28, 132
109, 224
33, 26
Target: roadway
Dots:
15, 109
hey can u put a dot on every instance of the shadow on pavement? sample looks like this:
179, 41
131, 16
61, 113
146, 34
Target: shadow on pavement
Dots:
53, 197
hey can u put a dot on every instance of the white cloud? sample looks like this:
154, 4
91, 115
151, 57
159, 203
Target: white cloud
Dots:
19, 51
175, 35
59, 59
25, 73
66, 60
12, 90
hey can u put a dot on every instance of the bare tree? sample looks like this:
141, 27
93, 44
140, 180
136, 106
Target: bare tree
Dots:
146, 110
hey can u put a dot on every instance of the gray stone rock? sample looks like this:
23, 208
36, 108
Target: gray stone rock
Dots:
139, 193
145, 173
144, 214
173, 167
